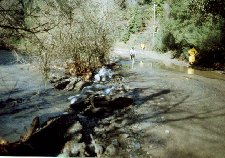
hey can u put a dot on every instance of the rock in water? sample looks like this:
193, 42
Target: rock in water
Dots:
73, 101
103, 75
110, 150
61, 85
73, 148
75, 128
71, 85
109, 91
43, 119
78, 148
79, 85
34, 125
97, 78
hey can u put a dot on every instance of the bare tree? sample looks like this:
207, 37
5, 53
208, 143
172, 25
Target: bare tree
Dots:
59, 29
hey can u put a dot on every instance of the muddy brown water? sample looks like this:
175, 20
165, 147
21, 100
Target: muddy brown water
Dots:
179, 111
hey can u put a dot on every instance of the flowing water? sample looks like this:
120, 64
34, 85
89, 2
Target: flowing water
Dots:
27, 94
17, 78
179, 112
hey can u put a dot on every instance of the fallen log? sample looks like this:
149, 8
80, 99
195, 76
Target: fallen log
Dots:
47, 141
50, 139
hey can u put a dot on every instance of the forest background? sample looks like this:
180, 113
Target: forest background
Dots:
84, 31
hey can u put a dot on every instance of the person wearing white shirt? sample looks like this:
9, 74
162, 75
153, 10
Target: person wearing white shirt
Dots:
132, 53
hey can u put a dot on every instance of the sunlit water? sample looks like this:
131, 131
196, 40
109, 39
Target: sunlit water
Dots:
154, 64
17, 77
23, 81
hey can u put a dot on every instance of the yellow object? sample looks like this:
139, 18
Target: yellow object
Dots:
191, 59
192, 52
142, 46
191, 71
141, 64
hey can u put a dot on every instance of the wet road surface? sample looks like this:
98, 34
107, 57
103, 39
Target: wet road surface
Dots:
181, 111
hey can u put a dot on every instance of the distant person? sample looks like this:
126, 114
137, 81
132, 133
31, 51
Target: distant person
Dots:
143, 46
132, 53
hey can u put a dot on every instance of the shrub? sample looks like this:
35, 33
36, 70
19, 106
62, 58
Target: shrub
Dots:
168, 40
84, 34
126, 36
137, 17
193, 23
164, 41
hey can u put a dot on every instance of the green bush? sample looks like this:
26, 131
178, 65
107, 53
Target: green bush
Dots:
188, 24
164, 41
169, 41
136, 17
126, 36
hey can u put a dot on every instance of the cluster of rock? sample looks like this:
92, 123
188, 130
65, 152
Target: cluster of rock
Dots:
74, 132
94, 102
103, 75
67, 83
77, 83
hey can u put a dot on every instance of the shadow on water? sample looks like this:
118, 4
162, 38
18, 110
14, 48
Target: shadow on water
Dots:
49, 141
150, 103
7, 58
17, 111
172, 102
170, 106
169, 110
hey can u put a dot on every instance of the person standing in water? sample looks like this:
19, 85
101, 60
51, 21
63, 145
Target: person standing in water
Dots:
132, 53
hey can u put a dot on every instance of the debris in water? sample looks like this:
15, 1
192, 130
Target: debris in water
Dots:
167, 131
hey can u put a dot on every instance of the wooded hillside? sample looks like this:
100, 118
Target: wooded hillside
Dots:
82, 29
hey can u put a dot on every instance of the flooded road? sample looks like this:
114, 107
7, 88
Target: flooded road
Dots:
178, 112
181, 111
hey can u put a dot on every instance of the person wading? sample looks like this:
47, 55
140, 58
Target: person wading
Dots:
132, 53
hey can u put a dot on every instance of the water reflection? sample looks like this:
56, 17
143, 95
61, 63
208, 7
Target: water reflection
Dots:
132, 64
141, 64
153, 64
191, 71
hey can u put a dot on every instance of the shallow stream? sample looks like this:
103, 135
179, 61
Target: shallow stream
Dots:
180, 111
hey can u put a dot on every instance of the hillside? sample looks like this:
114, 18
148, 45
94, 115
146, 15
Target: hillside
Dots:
162, 25
174, 26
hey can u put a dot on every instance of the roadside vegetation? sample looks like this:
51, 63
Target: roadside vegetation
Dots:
179, 26
82, 32
56, 31
196, 23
